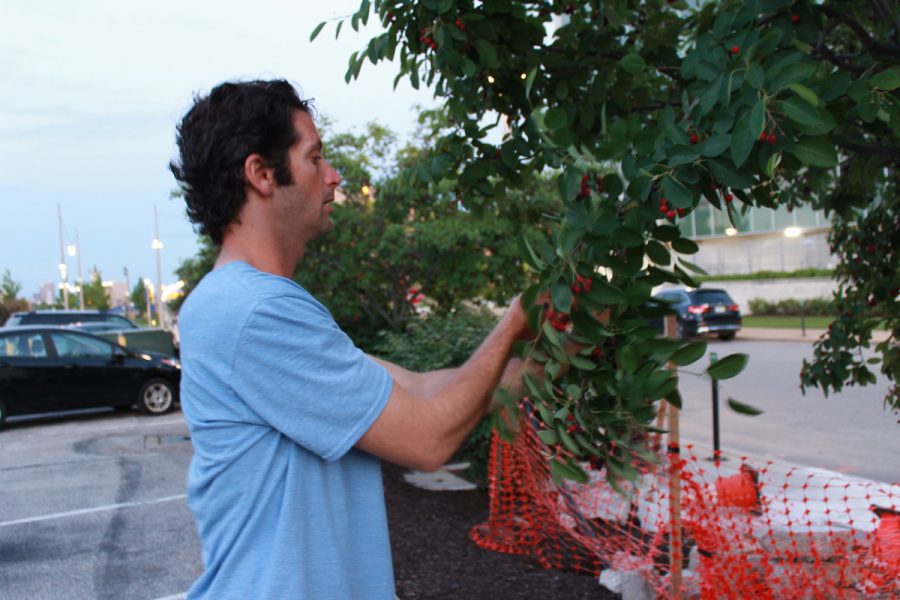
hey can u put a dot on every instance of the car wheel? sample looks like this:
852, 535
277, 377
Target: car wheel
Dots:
726, 336
2, 413
156, 397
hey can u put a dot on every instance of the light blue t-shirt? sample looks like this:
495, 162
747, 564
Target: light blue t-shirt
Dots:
275, 396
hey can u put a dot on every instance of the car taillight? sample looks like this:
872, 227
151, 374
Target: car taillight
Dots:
698, 309
734, 308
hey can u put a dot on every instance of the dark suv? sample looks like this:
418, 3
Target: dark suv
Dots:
66, 318
703, 310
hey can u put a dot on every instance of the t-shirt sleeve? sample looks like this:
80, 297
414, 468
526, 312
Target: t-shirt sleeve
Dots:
303, 375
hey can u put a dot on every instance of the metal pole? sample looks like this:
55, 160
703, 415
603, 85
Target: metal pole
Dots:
80, 278
674, 450
158, 245
63, 270
717, 446
127, 293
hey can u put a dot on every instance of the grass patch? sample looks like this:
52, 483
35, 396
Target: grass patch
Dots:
786, 321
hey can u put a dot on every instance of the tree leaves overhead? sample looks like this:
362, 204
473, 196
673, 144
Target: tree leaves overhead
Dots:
639, 116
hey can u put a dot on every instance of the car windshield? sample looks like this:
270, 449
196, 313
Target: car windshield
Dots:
712, 297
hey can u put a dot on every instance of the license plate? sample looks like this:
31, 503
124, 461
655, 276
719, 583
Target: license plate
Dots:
720, 309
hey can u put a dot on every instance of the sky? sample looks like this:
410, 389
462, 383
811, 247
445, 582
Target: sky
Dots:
91, 93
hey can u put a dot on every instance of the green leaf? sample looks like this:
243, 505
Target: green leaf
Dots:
800, 112
728, 175
632, 63
742, 140
666, 233
805, 93
772, 164
756, 77
562, 296
715, 145
689, 353
691, 266
791, 74
728, 367
555, 118
888, 80
535, 390
487, 53
548, 436
316, 31
744, 409
529, 81
685, 246
582, 363
757, 118
605, 293
568, 470
711, 95
658, 253
815, 152
676, 192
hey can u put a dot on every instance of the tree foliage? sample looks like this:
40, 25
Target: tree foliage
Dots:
9, 296
738, 103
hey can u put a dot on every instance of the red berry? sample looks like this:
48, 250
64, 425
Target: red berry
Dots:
585, 179
682, 212
576, 288
588, 284
694, 138
662, 200
461, 25
597, 353
772, 138
735, 50
671, 214
572, 428
795, 19
762, 136
729, 197
663, 208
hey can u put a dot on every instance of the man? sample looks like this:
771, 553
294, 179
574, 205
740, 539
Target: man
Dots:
287, 417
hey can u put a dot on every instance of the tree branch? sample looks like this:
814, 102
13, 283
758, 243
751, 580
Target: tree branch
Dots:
871, 44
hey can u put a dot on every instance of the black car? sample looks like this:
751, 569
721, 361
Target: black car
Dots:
69, 318
702, 310
48, 369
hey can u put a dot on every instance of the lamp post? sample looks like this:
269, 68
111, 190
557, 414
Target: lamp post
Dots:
63, 271
158, 245
75, 250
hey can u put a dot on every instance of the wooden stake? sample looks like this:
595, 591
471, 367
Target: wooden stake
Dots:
674, 449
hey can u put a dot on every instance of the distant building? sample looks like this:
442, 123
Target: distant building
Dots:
762, 240
46, 294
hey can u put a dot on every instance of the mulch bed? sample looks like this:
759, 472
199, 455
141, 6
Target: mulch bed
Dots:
434, 557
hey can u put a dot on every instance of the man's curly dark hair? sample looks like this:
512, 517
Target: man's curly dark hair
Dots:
217, 134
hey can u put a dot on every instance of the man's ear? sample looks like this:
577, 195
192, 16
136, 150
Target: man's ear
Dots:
259, 176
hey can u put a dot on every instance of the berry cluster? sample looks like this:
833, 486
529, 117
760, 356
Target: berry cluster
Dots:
670, 211
460, 25
582, 284
426, 38
770, 137
585, 190
558, 320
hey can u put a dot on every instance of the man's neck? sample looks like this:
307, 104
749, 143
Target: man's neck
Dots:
261, 256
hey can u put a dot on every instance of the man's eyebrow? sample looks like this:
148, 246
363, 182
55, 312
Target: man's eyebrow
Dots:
317, 146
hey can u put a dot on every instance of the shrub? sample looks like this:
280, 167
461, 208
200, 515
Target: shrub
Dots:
441, 341
792, 306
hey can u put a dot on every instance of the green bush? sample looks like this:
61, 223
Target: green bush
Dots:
441, 341
792, 306
798, 274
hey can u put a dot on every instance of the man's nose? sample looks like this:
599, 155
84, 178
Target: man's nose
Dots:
335, 177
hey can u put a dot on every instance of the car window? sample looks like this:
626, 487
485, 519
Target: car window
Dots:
712, 297
23, 345
71, 346
119, 321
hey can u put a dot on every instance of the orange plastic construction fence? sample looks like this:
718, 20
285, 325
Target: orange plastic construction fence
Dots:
749, 529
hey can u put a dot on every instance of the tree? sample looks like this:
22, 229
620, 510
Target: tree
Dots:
139, 296
95, 295
9, 296
9, 287
752, 103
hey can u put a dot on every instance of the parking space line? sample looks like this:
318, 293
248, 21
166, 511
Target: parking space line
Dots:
174, 597
85, 511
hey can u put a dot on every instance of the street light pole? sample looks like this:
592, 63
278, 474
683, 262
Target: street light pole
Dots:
157, 245
80, 278
63, 274
127, 293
